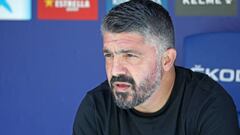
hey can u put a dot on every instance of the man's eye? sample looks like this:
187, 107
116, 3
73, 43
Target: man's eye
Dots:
131, 55
107, 55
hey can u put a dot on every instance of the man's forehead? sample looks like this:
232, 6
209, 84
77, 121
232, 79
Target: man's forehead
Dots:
122, 48
125, 42
122, 38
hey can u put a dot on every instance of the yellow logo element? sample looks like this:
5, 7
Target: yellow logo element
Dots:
49, 3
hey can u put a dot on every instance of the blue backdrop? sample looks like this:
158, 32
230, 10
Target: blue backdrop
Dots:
46, 67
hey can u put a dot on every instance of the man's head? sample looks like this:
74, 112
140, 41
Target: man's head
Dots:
137, 35
144, 17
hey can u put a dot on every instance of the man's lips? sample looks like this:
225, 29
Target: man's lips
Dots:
121, 86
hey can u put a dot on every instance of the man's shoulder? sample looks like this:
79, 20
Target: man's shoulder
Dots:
200, 81
206, 102
202, 92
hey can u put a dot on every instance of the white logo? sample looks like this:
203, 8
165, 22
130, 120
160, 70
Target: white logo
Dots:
207, 2
69, 5
217, 74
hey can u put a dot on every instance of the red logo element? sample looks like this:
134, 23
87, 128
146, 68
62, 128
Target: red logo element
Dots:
68, 9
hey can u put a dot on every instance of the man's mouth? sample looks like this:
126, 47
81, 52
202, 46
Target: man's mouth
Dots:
121, 86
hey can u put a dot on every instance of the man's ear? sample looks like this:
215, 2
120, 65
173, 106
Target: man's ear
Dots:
168, 59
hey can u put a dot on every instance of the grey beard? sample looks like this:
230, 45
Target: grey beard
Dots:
138, 95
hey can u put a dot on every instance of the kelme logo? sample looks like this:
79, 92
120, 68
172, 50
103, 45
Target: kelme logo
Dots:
206, 7
112, 3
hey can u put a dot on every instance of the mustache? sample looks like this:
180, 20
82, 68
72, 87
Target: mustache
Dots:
122, 78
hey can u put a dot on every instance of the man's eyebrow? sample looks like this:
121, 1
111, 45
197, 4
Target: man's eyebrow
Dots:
105, 50
128, 51
122, 51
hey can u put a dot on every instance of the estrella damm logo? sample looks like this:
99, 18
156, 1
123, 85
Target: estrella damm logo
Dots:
68, 9
15, 9
112, 3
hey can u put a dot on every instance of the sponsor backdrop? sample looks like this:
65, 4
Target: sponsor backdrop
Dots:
50, 55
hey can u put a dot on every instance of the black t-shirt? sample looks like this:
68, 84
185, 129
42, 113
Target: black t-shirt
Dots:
197, 106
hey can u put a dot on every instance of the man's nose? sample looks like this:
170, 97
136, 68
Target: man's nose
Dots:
118, 67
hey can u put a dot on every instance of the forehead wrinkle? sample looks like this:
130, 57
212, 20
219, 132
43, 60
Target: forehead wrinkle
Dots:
123, 41
120, 39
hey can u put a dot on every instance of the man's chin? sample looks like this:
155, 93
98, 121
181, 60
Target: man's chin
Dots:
124, 96
127, 103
